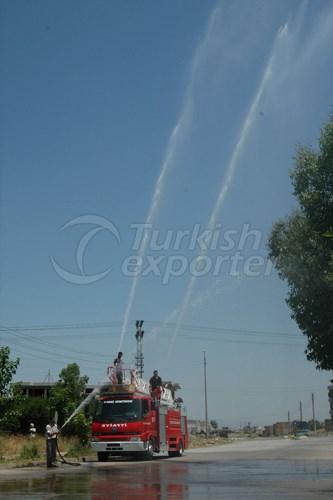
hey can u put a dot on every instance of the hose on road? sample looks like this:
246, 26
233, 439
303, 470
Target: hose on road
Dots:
63, 458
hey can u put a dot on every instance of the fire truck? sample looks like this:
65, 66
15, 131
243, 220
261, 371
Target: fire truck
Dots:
130, 420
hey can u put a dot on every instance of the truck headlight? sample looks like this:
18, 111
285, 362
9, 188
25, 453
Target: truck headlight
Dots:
135, 439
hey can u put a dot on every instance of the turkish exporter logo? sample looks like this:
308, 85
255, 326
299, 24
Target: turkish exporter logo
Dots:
172, 253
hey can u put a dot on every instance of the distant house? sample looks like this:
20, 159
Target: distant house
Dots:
281, 429
198, 427
42, 389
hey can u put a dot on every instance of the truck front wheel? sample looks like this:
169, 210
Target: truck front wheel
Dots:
149, 453
102, 456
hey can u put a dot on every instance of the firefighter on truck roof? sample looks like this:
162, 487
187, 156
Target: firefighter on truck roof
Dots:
155, 386
118, 364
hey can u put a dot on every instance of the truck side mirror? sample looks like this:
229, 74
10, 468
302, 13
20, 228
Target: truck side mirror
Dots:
145, 408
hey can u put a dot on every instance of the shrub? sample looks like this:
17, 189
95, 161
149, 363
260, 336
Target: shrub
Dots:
29, 451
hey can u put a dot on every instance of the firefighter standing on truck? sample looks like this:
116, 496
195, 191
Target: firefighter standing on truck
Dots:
155, 386
118, 364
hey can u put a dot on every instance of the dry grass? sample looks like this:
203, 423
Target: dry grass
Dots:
19, 449
201, 441
11, 445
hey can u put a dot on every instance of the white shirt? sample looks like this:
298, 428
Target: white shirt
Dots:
52, 431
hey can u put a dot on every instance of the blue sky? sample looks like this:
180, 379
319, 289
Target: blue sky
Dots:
126, 112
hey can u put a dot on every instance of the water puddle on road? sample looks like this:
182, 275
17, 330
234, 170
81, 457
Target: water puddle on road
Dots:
139, 481
179, 479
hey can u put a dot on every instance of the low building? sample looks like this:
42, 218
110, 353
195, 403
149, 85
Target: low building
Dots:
281, 428
42, 389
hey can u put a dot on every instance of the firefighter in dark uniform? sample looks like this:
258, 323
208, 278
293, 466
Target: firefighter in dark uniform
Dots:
155, 386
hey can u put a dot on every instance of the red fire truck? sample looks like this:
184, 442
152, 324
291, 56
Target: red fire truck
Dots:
128, 420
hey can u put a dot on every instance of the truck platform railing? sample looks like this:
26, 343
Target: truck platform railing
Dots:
130, 379
127, 376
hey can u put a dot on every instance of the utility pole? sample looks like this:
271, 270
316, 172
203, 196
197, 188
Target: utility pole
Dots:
313, 413
300, 411
139, 354
289, 430
205, 383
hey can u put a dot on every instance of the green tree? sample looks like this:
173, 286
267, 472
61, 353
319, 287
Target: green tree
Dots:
68, 392
34, 410
11, 409
301, 247
10, 394
8, 369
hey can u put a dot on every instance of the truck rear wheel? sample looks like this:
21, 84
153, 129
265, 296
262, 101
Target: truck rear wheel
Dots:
102, 456
179, 452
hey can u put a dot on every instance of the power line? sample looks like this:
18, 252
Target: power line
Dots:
54, 349
53, 345
44, 351
201, 338
239, 341
162, 324
25, 337
29, 355
230, 330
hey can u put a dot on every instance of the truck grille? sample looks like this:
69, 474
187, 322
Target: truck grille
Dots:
114, 447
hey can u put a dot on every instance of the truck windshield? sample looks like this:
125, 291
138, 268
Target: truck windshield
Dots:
125, 410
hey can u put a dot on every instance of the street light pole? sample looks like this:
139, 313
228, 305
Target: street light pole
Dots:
205, 384
313, 413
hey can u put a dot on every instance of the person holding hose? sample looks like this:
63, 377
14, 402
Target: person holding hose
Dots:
52, 432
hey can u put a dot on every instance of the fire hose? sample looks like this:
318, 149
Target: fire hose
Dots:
85, 402
63, 460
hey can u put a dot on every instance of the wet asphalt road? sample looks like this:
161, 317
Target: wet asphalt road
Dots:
255, 469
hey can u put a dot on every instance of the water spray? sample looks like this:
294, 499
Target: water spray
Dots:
171, 150
84, 403
246, 127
